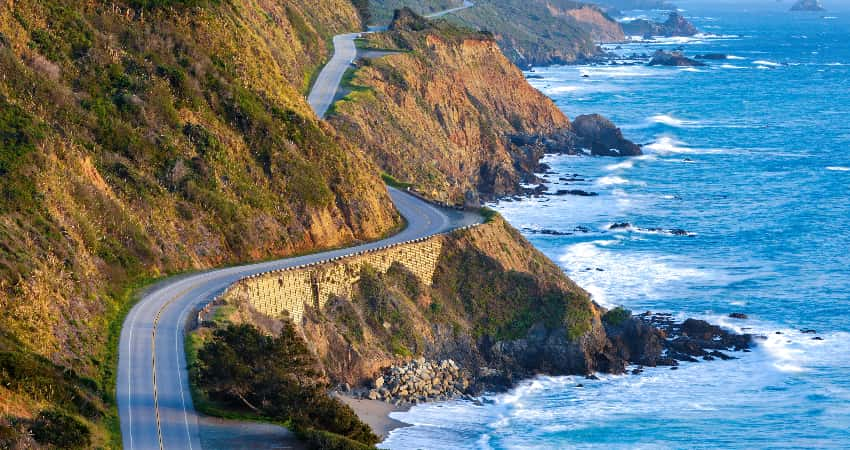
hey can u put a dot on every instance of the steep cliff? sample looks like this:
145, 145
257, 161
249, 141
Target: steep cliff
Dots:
542, 32
148, 137
440, 112
495, 305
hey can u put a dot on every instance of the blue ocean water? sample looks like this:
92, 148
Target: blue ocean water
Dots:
751, 155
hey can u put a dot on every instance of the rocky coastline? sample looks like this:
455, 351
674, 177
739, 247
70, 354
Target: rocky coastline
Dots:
632, 343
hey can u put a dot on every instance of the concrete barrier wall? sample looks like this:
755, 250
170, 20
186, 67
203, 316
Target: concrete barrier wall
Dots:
293, 289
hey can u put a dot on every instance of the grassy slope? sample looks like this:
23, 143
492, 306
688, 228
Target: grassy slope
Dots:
138, 142
530, 32
382, 10
446, 105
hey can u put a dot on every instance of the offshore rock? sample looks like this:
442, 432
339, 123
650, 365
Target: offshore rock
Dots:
602, 137
675, 58
808, 5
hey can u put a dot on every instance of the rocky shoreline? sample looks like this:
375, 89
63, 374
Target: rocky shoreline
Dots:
418, 381
635, 342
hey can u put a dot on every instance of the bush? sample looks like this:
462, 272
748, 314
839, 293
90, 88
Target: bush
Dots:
273, 377
61, 430
617, 316
322, 440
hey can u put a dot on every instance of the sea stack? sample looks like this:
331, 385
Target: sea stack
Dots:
808, 5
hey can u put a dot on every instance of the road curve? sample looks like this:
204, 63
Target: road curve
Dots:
466, 4
324, 89
154, 402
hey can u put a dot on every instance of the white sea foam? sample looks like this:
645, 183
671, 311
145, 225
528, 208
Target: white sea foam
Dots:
624, 277
730, 66
627, 164
611, 180
690, 69
762, 62
838, 168
735, 57
672, 121
554, 90
666, 145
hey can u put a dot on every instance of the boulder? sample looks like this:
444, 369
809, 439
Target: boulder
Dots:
675, 58
602, 137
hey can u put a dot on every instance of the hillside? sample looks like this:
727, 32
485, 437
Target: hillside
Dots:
382, 10
151, 137
529, 32
449, 114
495, 305
440, 112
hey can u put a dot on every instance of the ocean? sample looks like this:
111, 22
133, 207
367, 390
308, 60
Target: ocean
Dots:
751, 156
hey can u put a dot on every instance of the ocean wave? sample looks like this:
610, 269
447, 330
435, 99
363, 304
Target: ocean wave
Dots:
618, 281
762, 62
627, 164
554, 90
730, 66
735, 57
838, 168
611, 180
672, 121
667, 145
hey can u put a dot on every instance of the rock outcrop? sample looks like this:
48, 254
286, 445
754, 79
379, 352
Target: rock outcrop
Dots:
602, 137
675, 58
675, 25
808, 5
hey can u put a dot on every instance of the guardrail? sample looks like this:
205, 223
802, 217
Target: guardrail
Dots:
206, 308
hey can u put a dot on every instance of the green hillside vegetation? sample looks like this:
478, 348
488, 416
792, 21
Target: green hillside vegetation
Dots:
382, 10
150, 137
275, 378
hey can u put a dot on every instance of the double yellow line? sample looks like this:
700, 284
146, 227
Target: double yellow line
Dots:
153, 358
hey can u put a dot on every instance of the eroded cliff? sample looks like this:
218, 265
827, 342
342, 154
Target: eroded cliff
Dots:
440, 112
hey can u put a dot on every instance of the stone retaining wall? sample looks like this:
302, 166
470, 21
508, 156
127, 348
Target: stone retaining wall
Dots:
293, 289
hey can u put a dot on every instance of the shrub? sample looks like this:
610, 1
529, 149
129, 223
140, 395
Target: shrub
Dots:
273, 377
61, 430
19, 135
617, 316
322, 440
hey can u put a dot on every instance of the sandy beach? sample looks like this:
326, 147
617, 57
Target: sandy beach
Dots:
375, 413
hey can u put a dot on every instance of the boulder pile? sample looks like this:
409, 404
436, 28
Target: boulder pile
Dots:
420, 381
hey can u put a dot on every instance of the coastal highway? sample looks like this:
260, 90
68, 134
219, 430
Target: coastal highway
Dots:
154, 402
324, 89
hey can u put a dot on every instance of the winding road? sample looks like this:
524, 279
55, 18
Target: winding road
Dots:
154, 401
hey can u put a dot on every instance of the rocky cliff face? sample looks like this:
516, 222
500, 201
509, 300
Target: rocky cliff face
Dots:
497, 311
675, 25
141, 141
496, 306
542, 32
439, 114
601, 27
